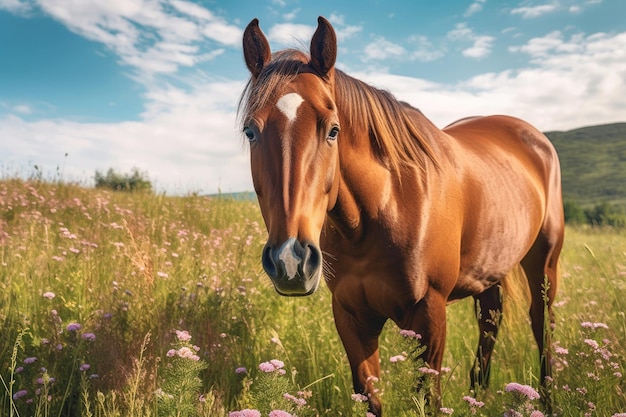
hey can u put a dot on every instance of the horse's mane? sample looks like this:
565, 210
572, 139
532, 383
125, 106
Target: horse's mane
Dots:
395, 138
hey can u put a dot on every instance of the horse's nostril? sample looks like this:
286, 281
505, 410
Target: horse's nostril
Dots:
268, 262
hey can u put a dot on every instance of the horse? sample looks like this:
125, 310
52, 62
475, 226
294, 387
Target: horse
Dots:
398, 217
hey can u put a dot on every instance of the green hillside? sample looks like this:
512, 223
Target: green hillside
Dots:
593, 163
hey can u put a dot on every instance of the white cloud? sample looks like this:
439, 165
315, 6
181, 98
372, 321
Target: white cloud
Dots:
146, 35
290, 34
481, 44
23, 109
343, 30
529, 12
185, 141
573, 82
381, 49
423, 49
291, 15
481, 48
16, 6
474, 8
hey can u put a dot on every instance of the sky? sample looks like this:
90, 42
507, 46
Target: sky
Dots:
89, 85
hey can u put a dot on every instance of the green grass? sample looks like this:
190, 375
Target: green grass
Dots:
132, 269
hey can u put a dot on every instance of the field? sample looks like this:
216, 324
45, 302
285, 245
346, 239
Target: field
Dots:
118, 304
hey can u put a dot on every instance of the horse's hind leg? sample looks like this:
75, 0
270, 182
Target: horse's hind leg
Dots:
488, 306
541, 267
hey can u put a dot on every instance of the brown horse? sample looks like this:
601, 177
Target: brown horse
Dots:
401, 216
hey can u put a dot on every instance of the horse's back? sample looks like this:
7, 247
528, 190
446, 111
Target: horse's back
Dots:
509, 175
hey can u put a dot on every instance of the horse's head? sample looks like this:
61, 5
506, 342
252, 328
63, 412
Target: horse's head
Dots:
290, 119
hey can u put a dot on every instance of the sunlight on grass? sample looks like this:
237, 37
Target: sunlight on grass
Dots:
115, 304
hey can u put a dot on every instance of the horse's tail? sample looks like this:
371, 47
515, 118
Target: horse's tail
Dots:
516, 293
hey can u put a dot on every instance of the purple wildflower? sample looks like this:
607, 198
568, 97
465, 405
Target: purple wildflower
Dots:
241, 370
410, 334
84, 367
30, 360
20, 394
73, 327
524, 390
88, 336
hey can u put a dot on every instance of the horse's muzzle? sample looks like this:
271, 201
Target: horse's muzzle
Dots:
295, 268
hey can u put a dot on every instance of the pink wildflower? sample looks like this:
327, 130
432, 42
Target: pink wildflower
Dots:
561, 351
397, 358
359, 398
473, 402
300, 402
524, 390
428, 371
410, 334
266, 367
49, 295
279, 413
589, 325
183, 335
446, 410
245, 413
536, 413
186, 353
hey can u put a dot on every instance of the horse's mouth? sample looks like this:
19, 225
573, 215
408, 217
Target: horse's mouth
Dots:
297, 287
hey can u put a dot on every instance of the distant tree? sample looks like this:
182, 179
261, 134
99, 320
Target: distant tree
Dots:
133, 181
605, 214
574, 213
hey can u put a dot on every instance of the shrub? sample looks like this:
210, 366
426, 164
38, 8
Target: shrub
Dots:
133, 181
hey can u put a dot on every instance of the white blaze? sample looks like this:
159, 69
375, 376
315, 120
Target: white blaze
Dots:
288, 105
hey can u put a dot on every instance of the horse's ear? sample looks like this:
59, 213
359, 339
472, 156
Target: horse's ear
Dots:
256, 48
323, 47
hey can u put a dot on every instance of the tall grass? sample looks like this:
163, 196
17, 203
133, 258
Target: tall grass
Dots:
115, 304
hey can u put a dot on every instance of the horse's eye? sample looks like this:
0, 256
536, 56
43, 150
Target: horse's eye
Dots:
332, 135
249, 134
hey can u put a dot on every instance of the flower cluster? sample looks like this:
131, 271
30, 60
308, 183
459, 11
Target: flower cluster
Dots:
272, 366
410, 334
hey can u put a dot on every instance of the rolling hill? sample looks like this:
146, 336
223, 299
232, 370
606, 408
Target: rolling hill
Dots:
593, 163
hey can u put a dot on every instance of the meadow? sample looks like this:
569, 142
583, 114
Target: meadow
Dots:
136, 304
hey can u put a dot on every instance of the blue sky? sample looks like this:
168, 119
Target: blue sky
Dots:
154, 84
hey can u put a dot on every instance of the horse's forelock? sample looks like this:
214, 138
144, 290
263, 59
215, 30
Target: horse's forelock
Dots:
283, 68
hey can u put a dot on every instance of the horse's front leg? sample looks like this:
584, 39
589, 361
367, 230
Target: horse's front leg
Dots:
428, 319
359, 334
